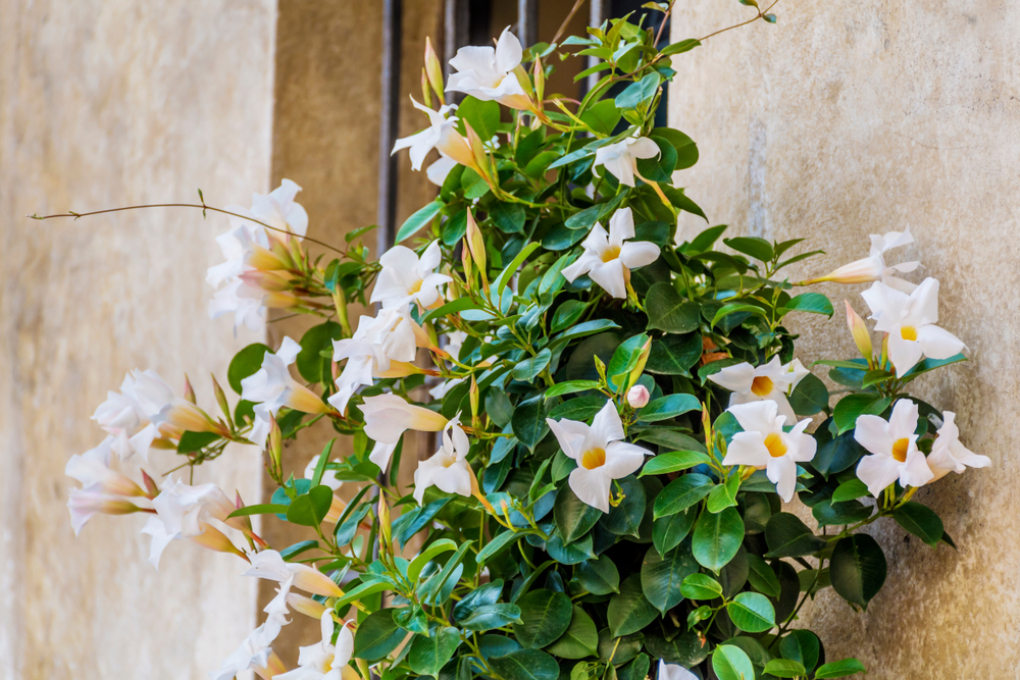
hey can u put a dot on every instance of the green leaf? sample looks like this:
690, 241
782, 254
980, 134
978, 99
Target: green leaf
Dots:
430, 652
497, 544
853, 406
454, 307
315, 357
701, 587
545, 616
528, 423
756, 247
377, 636
483, 116
857, 568
839, 669
667, 532
439, 547
509, 217
526, 664
567, 314
639, 92
629, 611
453, 229
667, 311
724, 495
737, 308
669, 406
579, 408
717, 538
574, 518
921, 521
586, 219
680, 47
625, 519
491, 616
762, 578
478, 597
927, 364
511, 269
580, 640
850, 490
598, 577
673, 461
810, 396
785, 668
751, 612
245, 363
570, 387
674, 354
263, 509
419, 220
787, 536
829, 514
661, 576
801, 646
670, 439
529, 369
625, 359
195, 441
310, 509
682, 493
732, 663
815, 303
602, 117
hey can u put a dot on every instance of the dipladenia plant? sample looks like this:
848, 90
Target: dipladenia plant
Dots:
620, 413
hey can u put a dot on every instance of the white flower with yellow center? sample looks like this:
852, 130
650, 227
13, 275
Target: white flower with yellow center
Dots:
447, 469
910, 322
255, 651
764, 383
893, 445
324, 660
388, 416
764, 444
600, 454
621, 159
405, 278
272, 388
487, 74
874, 268
948, 454
607, 259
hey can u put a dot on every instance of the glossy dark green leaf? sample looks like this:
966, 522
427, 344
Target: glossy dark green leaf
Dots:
602, 117
829, 514
310, 509
857, 568
574, 518
639, 92
717, 538
245, 363
921, 521
674, 354
839, 669
682, 493
667, 532
662, 575
670, 406
491, 616
419, 220
762, 578
195, 441
580, 640
528, 369
482, 115
853, 406
815, 303
756, 247
785, 668
629, 610
545, 616
810, 396
801, 646
313, 361
701, 587
528, 422
479, 597
751, 612
669, 312
377, 636
579, 408
787, 536
526, 664
430, 652
732, 663
625, 518
599, 577
673, 461
850, 490
509, 217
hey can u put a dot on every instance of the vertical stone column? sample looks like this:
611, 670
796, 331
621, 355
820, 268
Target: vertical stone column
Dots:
107, 103
843, 121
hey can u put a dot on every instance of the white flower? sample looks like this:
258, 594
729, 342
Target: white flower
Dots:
893, 446
438, 171
795, 372
487, 74
441, 134
949, 454
448, 468
440, 390
328, 476
621, 159
388, 416
256, 652
764, 444
768, 382
608, 260
104, 491
272, 388
241, 300
323, 660
84, 504
406, 279
672, 671
270, 565
910, 322
874, 268
198, 513
601, 456
638, 396
382, 347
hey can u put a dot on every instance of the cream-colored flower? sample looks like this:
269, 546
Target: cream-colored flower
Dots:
488, 74
748, 384
608, 258
874, 268
406, 279
600, 454
270, 565
255, 652
448, 468
324, 660
948, 454
910, 322
893, 445
621, 159
388, 416
765, 444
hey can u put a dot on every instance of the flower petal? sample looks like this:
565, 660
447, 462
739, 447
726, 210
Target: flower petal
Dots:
621, 226
623, 459
609, 275
872, 433
736, 378
607, 426
878, 472
591, 487
938, 343
639, 253
747, 448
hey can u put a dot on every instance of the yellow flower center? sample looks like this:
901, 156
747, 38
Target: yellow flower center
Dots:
899, 449
908, 333
415, 287
774, 443
611, 253
762, 386
593, 458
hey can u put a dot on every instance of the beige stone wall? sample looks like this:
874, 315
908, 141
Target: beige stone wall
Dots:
107, 103
850, 119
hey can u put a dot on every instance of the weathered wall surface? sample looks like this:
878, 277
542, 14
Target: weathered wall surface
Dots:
843, 121
107, 103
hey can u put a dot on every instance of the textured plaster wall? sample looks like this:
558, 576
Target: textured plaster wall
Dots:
851, 119
107, 103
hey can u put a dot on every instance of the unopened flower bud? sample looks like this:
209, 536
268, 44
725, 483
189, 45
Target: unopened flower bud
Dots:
434, 71
473, 396
859, 329
635, 373
189, 391
426, 90
476, 243
638, 396
221, 399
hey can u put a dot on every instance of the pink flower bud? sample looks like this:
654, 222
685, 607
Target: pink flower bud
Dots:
637, 396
